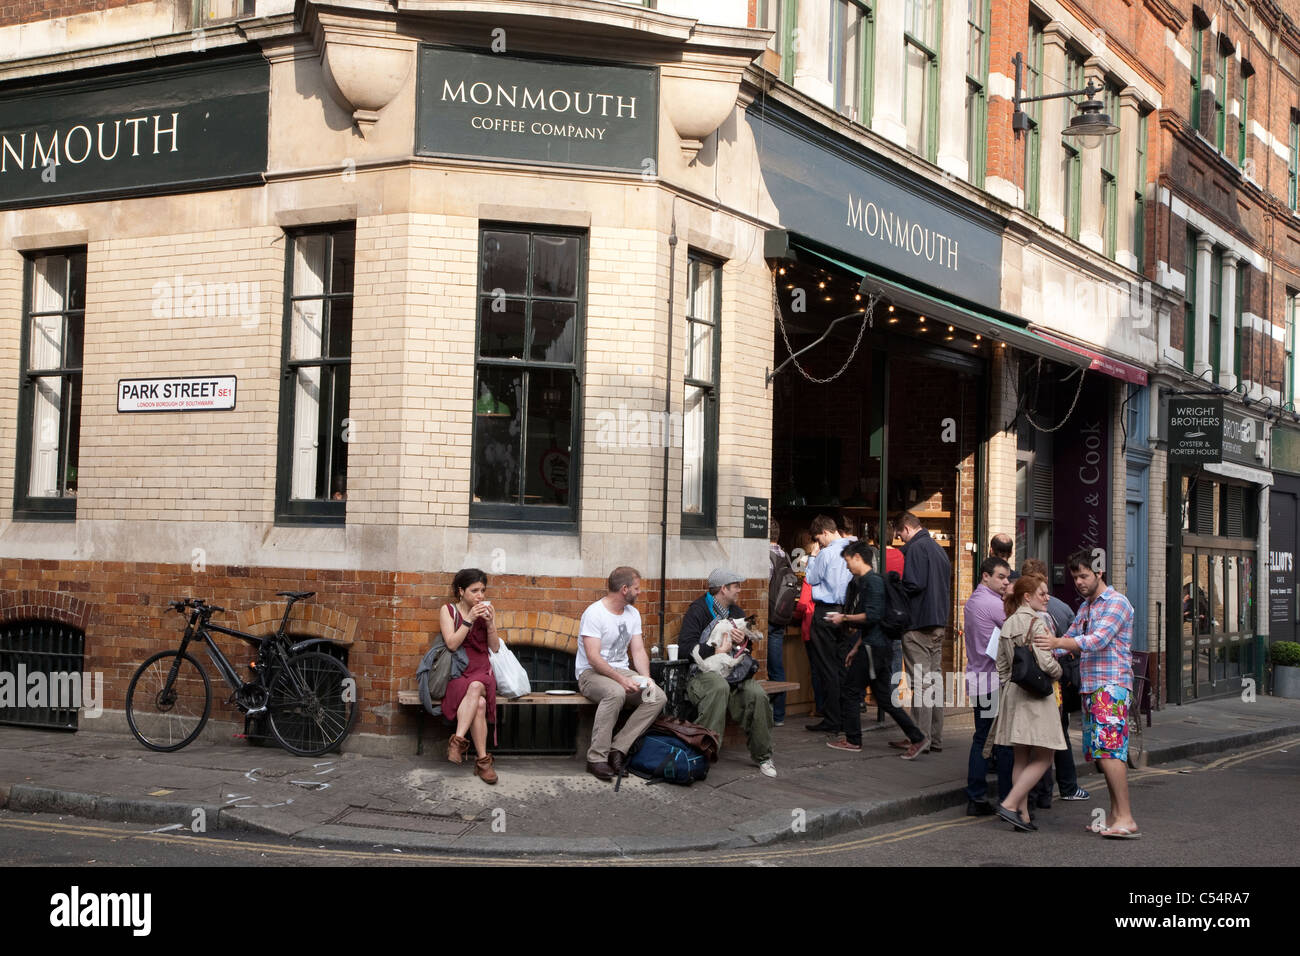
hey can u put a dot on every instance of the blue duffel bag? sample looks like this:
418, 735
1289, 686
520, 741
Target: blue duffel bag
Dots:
661, 757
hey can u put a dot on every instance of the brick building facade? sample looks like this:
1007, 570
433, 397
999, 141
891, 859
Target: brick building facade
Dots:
1084, 287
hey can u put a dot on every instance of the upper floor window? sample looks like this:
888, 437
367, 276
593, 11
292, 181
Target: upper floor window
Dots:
1033, 79
312, 477
1239, 310
1243, 118
1139, 194
780, 16
1189, 304
1110, 174
921, 35
49, 396
977, 78
527, 398
1197, 68
1071, 161
1222, 51
207, 12
700, 417
851, 48
1288, 344
1292, 162
1216, 309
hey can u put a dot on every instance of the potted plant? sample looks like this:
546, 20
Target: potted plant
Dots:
1285, 656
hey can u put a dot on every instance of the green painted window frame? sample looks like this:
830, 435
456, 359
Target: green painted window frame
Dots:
977, 91
1238, 319
1216, 308
1288, 346
705, 523
1292, 163
1243, 121
1189, 304
1072, 161
787, 13
1110, 176
1198, 67
1034, 137
72, 325
311, 511
866, 59
930, 108
1220, 98
516, 514
1140, 193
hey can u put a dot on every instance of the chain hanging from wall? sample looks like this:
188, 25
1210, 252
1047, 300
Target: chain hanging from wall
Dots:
868, 317
1038, 377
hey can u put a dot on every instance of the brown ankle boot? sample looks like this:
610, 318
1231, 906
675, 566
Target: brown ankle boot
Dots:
457, 748
483, 768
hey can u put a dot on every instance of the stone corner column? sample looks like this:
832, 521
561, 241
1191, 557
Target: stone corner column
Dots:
1228, 320
952, 90
1204, 250
1091, 224
1051, 181
1131, 180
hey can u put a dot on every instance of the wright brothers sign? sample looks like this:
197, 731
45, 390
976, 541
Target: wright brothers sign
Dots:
493, 106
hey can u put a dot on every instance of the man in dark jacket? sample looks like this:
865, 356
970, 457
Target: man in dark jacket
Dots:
866, 655
927, 581
714, 698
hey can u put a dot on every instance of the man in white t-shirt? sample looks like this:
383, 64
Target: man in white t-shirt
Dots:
608, 640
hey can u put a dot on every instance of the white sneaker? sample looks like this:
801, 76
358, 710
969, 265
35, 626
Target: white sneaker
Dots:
766, 768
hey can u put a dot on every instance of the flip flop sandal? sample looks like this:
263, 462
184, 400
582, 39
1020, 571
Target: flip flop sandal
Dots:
1121, 833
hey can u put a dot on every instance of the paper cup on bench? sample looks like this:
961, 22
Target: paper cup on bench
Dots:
672, 652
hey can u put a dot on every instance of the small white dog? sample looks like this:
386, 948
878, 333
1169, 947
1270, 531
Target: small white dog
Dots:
719, 663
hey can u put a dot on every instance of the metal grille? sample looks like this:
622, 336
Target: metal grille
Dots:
540, 728
1044, 499
56, 652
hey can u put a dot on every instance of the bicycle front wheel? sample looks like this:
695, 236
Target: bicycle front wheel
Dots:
311, 704
168, 701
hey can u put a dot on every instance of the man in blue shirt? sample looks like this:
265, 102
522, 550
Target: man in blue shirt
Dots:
829, 578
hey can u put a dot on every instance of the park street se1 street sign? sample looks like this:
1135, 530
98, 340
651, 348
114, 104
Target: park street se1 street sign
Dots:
1195, 430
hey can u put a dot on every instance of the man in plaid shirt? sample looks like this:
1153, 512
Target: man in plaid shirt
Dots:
1102, 633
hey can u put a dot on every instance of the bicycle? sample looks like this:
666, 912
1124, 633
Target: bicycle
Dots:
1137, 755
308, 697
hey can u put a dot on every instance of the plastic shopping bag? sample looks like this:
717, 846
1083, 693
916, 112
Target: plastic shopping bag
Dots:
512, 679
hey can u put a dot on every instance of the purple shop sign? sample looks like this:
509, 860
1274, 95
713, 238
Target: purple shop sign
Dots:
1081, 479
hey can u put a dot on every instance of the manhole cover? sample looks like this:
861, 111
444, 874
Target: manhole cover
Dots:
403, 820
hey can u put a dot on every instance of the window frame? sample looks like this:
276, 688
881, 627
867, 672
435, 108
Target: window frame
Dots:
787, 12
1220, 96
518, 516
930, 108
1110, 176
1033, 111
1189, 305
977, 86
1293, 163
1216, 310
1288, 348
866, 59
1239, 308
1198, 68
704, 524
1072, 160
28, 507
1243, 120
290, 511
1140, 194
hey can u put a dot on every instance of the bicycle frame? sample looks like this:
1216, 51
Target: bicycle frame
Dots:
199, 629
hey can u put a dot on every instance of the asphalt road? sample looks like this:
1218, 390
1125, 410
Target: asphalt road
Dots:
1226, 810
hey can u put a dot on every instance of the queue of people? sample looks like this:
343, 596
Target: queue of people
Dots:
1028, 659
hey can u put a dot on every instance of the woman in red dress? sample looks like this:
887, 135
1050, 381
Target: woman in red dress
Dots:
471, 697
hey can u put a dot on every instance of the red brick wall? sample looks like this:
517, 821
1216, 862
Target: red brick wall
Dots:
29, 11
122, 607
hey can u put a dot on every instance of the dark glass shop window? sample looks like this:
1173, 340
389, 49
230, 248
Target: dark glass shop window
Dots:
49, 402
315, 429
526, 388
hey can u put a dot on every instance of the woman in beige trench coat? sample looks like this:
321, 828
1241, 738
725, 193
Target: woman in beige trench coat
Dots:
1031, 725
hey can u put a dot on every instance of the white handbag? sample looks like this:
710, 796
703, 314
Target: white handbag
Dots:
512, 679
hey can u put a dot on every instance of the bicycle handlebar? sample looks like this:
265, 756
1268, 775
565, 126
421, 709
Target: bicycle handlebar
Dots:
197, 604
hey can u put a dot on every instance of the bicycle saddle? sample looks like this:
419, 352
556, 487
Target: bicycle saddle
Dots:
295, 595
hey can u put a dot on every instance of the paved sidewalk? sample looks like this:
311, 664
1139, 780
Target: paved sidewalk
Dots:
546, 805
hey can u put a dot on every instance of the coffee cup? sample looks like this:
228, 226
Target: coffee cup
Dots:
672, 652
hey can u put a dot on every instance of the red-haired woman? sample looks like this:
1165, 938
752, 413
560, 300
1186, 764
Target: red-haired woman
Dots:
1031, 725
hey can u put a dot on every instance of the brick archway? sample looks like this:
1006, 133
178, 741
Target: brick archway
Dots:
44, 605
539, 629
307, 620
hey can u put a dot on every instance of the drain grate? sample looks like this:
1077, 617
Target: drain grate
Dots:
403, 820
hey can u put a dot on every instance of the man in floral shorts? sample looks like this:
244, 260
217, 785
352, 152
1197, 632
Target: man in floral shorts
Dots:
1102, 633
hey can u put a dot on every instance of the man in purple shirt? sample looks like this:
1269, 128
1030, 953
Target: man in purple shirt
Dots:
1102, 633
984, 615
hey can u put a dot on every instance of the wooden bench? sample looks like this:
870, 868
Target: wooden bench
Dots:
411, 698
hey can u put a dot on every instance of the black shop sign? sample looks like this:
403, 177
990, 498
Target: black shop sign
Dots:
1195, 430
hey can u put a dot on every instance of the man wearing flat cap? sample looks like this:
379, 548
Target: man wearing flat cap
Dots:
714, 698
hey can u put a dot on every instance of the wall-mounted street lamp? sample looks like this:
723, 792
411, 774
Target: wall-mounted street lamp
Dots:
1087, 129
